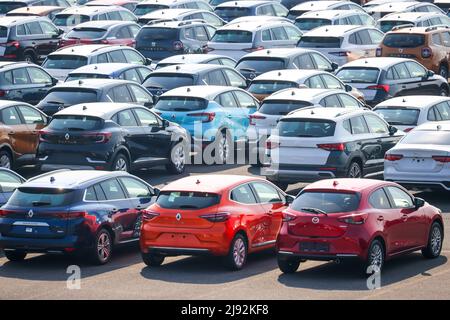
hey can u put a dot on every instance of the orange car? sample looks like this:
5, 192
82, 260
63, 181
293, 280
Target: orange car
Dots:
220, 215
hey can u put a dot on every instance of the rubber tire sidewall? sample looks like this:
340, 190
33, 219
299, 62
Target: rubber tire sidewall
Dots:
350, 167
288, 265
15, 256
116, 158
171, 166
94, 252
3, 152
427, 252
229, 259
152, 260
367, 262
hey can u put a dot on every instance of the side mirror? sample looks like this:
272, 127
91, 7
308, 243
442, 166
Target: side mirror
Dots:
148, 61
392, 130
165, 123
248, 82
419, 202
289, 199
148, 104
429, 74
54, 82
348, 88
156, 191
334, 66
60, 32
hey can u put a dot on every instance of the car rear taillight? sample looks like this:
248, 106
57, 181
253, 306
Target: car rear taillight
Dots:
178, 45
407, 129
442, 159
216, 217
272, 144
378, 52
76, 214
253, 117
332, 146
384, 87
207, 116
15, 44
102, 137
393, 157
340, 53
354, 218
2, 93
42, 134
426, 52
149, 215
207, 49
253, 49
288, 217
5, 213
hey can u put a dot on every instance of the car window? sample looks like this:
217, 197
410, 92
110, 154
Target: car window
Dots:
144, 72
114, 15
200, 34
135, 188
348, 101
123, 33
265, 35
132, 57
279, 34
146, 118
234, 78
9, 182
332, 101
293, 33
131, 75
227, 100
347, 126
321, 62
117, 56
125, 118
443, 110
355, 20
120, 94
304, 61
265, 10
112, 190
30, 115
18, 76
10, 117
445, 38
134, 30
436, 38
266, 193
328, 201
358, 125
402, 71
102, 58
90, 194
400, 198
189, 33
216, 78
48, 28
375, 124
416, 70
379, 200
431, 114
39, 76
315, 82
331, 82
34, 28
243, 194
375, 36
245, 100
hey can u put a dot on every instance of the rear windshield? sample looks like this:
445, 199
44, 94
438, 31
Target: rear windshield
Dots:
270, 86
427, 137
68, 20
358, 75
41, 197
168, 81
142, 9
3, 32
180, 104
260, 64
86, 33
399, 116
75, 122
307, 24
232, 36
78, 76
69, 62
5, 7
187, 200
319, 42
282, 107
387, 25
329, 202
404, 40
230, 13
306, 128
154, 33
65, 96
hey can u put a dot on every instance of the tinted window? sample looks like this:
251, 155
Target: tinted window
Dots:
187, 200
329, 202
379, 200
30, 115
401, 71
131, 75
245, 100
215, 78
358, 125
243, 194
227, 100
306, 128
403, 40
8, 182
168, 81
10, 116
321, 62
232, 36
180, 104
64, 62
279, 34
112, 190
132, 56
39, 76
348, 101
85, 33
135, 188
146, 118
90, 194
319, 42
126, 119
361, 75
230, 13
84, 123
416, 70
260, 64
235, 79
332, 101
270, 86
18, 76
311, 23
443, 110
281, 107
155, 33
331, 82
120, 94
266, 193
399, 116
9, 6
41, 197
69, 20
142, 9
304, 61
117, 56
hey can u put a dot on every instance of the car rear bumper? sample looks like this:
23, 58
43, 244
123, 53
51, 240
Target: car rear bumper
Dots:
317, 257
39, 245
294, 176
418, 180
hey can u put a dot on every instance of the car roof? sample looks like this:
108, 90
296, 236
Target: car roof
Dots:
109, 2
91, 83
104, 110
324, 113
102, 24
8, 103
165, 2
259, 19
434, 126
289, 74
329, 14
253, 25
189, 68
174, 23
244, 3
375, 62
409, 16
394, 6
192, 58
14, 20
414, 101
8, 65
213, 183
418, 29
35, 9
302, 94
278, 52
203, 91
84, 49
104, 68
90, 10
168, 13
334, 30
347, 184
317, 5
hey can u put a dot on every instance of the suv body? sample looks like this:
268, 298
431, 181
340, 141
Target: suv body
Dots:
9, 181
231, 10
123, 71
182, 15
70, 93
71, 216
171, 77
321, 143
314, 19
110, 136
64, 60
237, 39
428, 45
342, 44
253, 64
382, 10
41, 11
165, 39
308, 6
27, 38
148, 6
412, 19
9, 5
102, 32
19, 138
383, 78
196, 59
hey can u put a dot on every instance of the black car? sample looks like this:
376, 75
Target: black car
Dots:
87, 212
9, 181
27, 38
94, 90
22, 81
383, 78
111, 136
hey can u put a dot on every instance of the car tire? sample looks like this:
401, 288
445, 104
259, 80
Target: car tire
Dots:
287, 265
223, 145
152, 260
120, 163
177, 159
443, 92
237, 255
443, 72
103, 246
29, 57
15, 256
354, 170
434, 245
375, 256
6, 160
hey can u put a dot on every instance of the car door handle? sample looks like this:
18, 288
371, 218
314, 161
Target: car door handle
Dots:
405, 217
11, 133
270, 212
380, 218
33, 43
139, 207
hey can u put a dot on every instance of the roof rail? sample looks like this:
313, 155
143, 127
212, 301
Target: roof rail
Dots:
301, 109
403, 26
436, 27
43, 175
152, 22
192, 21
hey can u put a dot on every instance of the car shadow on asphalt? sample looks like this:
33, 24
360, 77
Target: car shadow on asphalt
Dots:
210, 270
349, 276
47, 267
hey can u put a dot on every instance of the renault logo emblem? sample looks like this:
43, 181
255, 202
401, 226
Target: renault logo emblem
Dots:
67, 136
315, 220
178, 216
30, 214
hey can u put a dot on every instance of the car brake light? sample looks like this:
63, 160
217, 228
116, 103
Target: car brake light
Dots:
15, 44
102, 137
354, 218
149, 215
253, 49
4, 212
288, 217
426, 52
178, 45
393, 157
42, 133
207, 116
272, 144
384, 87
2, 93
332, 146
442, 159
378, 52
253, 117
216, 217
340, 53
407, 129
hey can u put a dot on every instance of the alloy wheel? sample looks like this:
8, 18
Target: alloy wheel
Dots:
239, 252
178, 157
121, 165
103, 247
355, 171
5, 162
376, 255
436, 240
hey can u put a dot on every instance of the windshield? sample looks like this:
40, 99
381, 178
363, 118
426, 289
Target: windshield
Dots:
66, 96
328, 202
180, 104
281, 107
156, 33
403, 40
5, 7
399, 116
232, 36
270, 86
386, 26
41, 197
292, 127
427, 137
187, 200
74, 122
230, 13
86, 33
319, 42
168, 81
358, 75
307, 24
260, 64
68, 20
142, 9
69, 62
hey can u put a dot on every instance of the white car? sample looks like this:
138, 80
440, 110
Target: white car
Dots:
416, 19
182, 15
343, 43
407, 112
373, 3
381, 10
421, 159
148, 6
308, 6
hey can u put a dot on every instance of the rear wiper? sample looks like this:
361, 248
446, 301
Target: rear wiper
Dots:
181, 109
155, 86
55, 102
305, 136
187, 206
75, 129
314, 210
40, 203
248, 69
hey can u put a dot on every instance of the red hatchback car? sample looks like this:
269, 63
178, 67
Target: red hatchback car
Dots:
221, 215
370, 220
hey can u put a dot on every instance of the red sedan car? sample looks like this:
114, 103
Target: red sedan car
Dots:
370, 220
221, 215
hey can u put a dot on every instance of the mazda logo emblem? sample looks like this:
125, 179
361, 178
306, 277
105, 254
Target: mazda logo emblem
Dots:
178, 216
67, 136
315, 220
30, 214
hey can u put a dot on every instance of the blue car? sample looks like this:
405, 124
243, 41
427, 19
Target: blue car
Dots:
74, 211
123, 71
210, 114
9, 181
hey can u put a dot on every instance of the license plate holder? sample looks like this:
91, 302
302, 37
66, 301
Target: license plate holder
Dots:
314, 246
